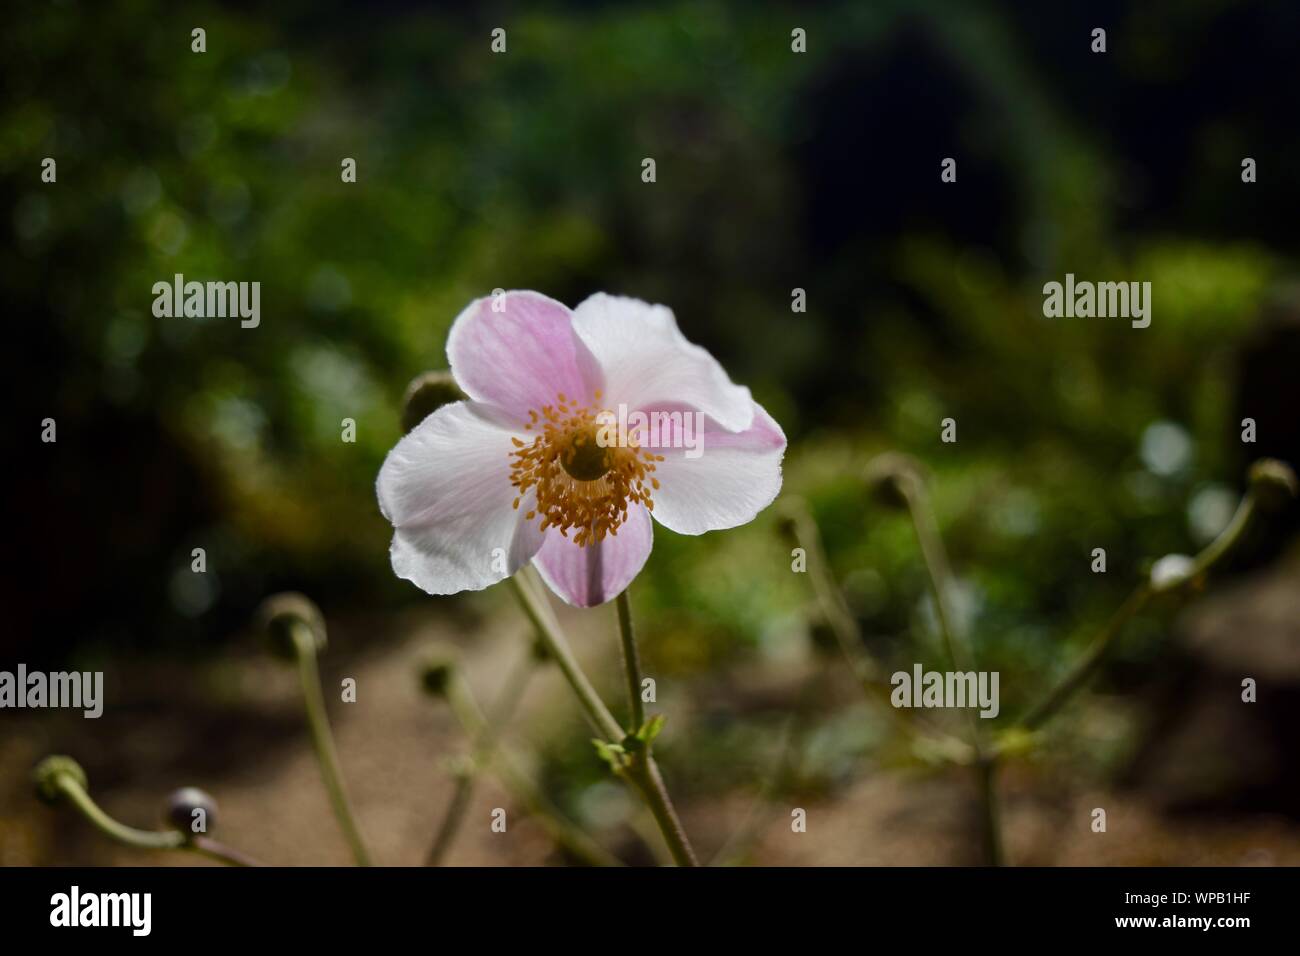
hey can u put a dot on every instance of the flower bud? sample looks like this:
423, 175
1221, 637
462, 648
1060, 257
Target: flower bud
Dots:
278, 616
790, 509
437, 671
823, 640
1171, 572
539, 651
180, 809
1274, 483
47, 773
426, 394
890, 476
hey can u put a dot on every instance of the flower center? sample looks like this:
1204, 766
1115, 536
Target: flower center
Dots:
584, 471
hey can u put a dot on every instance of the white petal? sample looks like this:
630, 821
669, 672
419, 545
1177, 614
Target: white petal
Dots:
647, 361
734, 477
446, 489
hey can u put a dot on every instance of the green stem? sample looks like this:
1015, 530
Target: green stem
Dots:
1088, 663
631, 663
644, 773
959, 657
1229, 538
939, 571
304, 645
1214, 553
82, 801
991, 816
553, 639
484, 742
784, 766
835, 610
467, 712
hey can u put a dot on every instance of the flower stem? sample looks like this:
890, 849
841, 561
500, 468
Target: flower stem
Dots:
1087, 664
216, 850
466, 710
631, 663
936, 564
959, 656
484, 739
987, 769
840, 619
304, 646
642, 772
553, 640
1077, 676
68, 786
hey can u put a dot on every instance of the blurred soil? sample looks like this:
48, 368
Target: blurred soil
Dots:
235, 729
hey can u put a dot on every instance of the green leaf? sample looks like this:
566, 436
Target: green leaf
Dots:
650, 729
612, 754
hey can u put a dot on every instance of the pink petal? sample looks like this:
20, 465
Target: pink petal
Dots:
734, 477
522, 357
647, 361
591, 575
446, 489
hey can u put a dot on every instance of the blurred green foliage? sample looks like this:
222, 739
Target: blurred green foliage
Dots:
522, 170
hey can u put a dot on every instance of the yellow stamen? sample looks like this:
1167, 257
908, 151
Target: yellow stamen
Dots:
579, 482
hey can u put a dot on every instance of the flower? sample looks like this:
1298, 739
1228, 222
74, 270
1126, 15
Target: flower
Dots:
531, 467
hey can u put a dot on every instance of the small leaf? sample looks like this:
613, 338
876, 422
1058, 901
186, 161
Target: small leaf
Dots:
612, 754
650, 729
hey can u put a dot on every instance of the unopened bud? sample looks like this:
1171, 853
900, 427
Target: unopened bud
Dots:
426, 394
437, 672
48, 774
890, 477
182, 811
1274, 483
280, 615
790, 511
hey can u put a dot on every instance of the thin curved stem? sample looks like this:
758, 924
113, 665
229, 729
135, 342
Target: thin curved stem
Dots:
484, 738
1229, 538
304, 645
1083, 669
959, 656
216, 850
82, 801
939, 571
848, 635
1088, 663
466, 710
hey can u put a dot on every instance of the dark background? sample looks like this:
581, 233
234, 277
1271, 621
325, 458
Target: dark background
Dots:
775, 171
